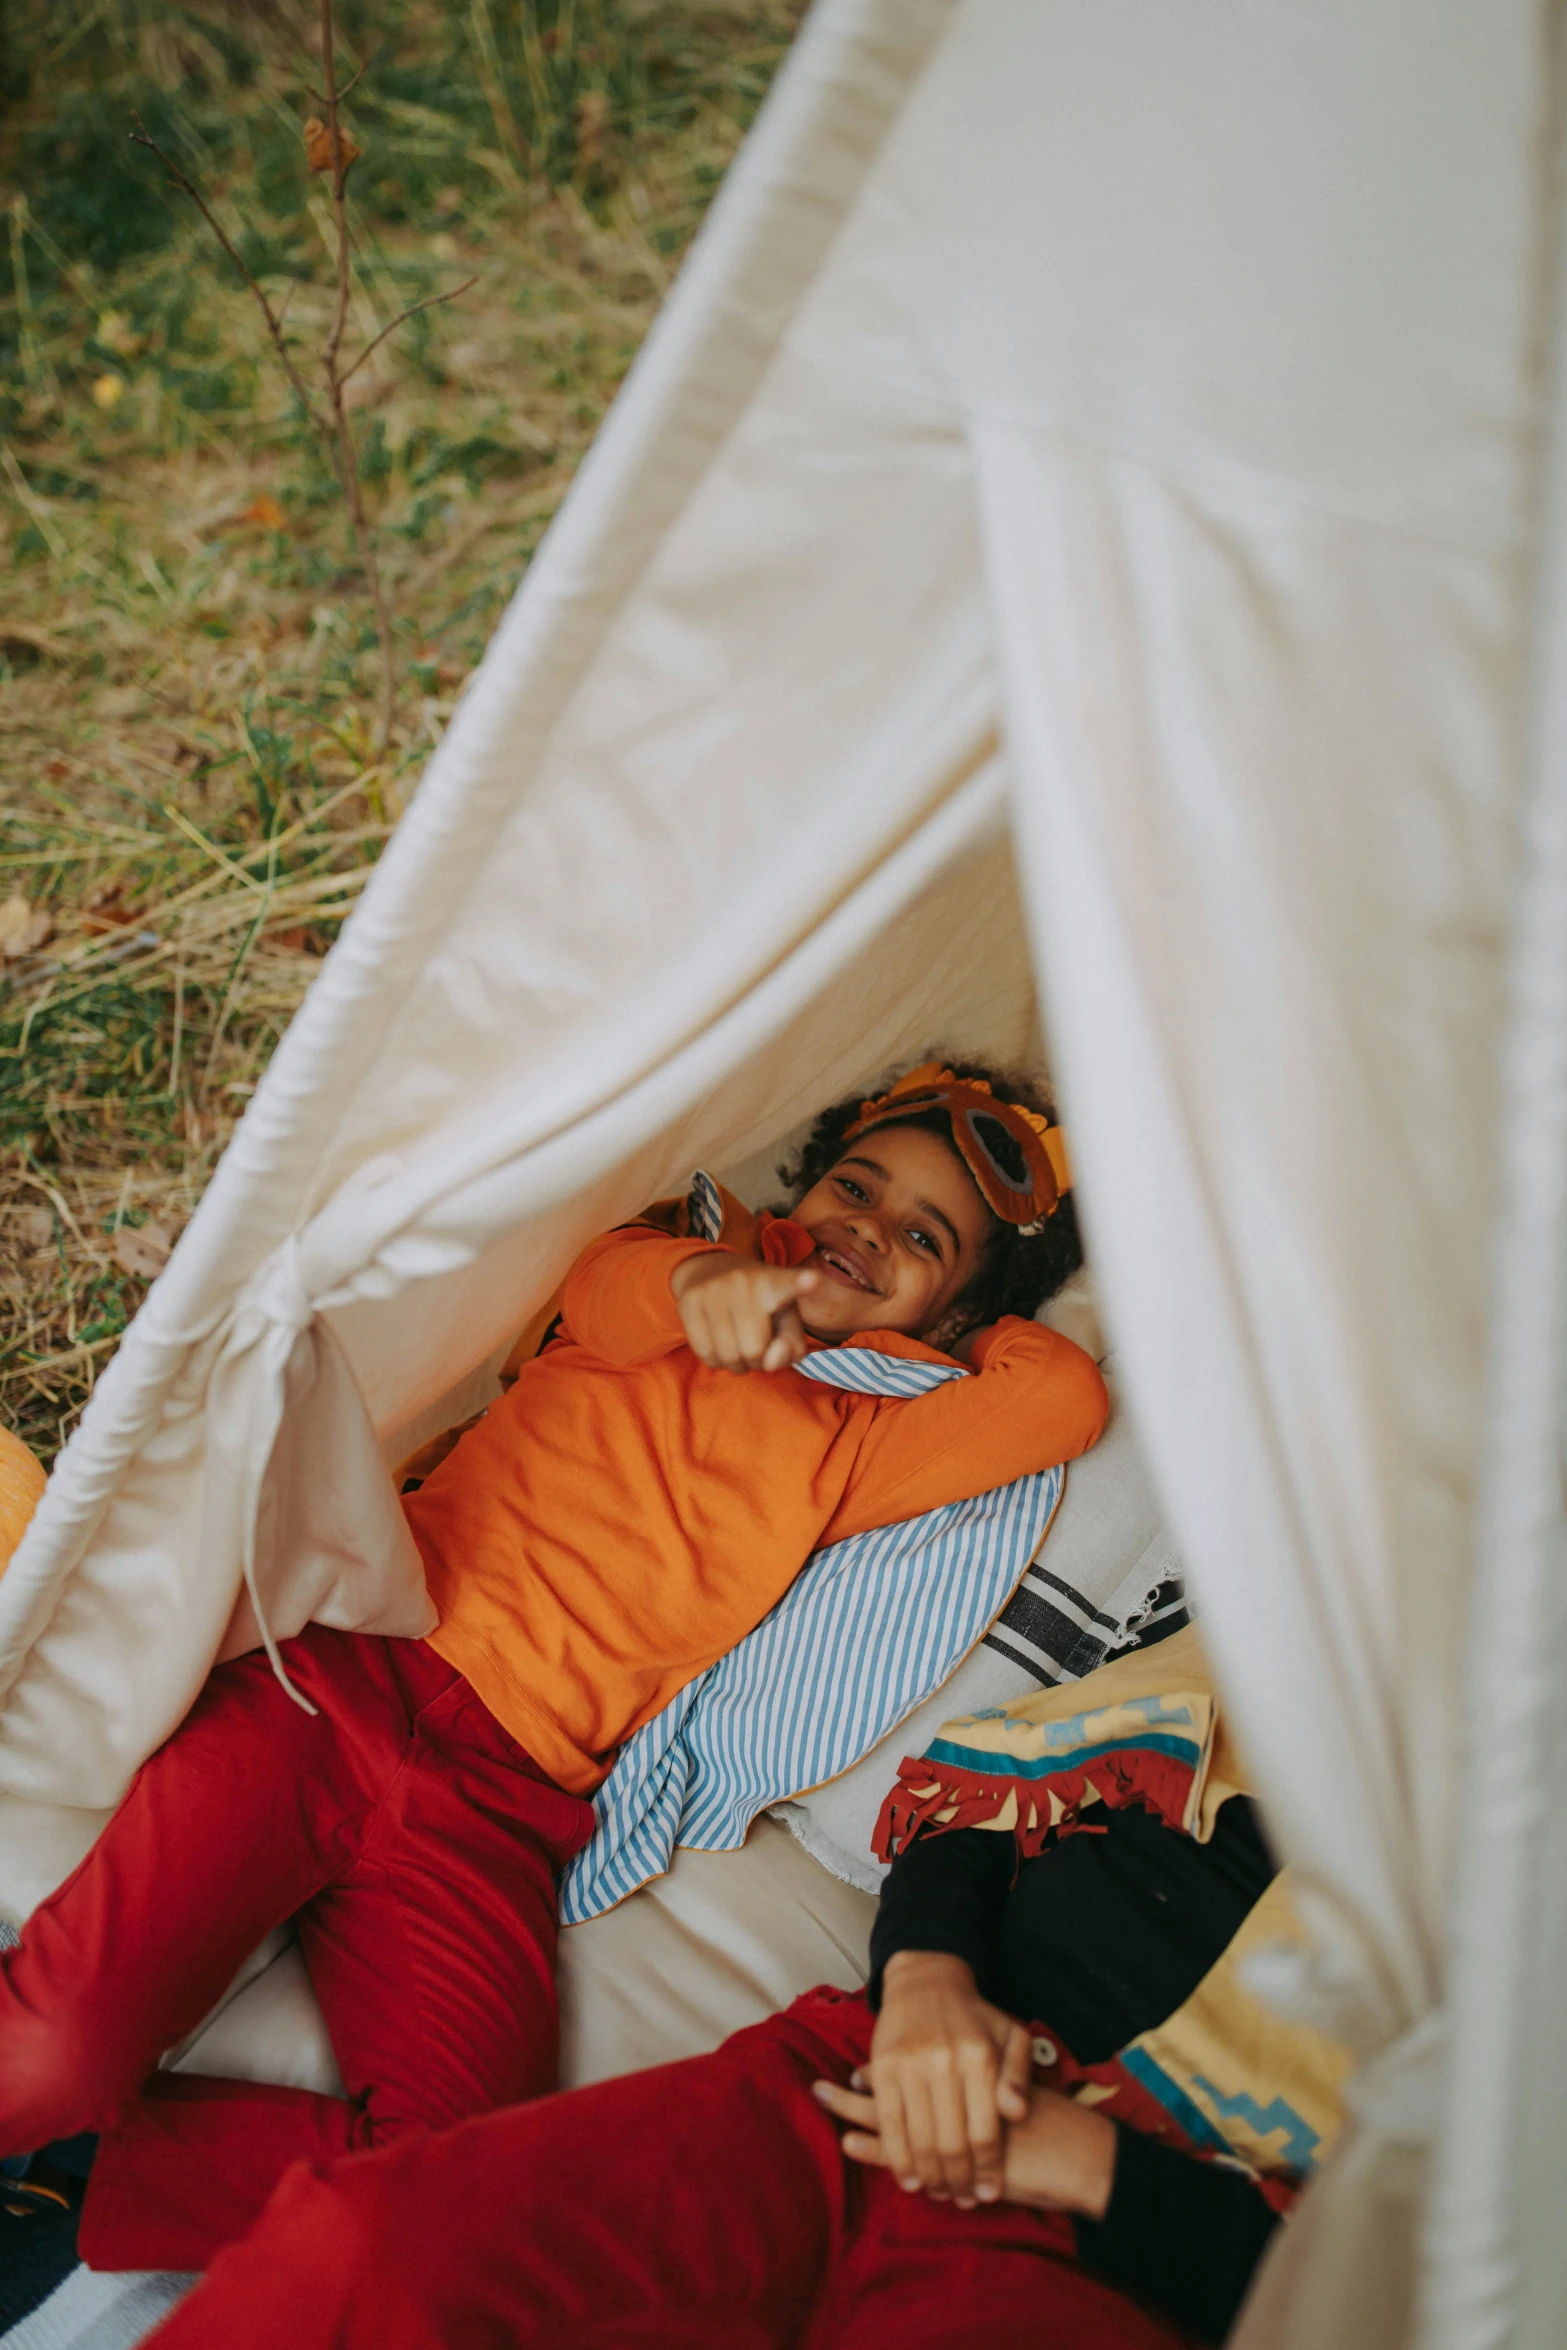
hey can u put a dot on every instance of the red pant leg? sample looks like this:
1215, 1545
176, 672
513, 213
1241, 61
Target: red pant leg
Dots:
433, 1957
240, 1816
422, 1840
702, 2206
695, 2207
919, 2275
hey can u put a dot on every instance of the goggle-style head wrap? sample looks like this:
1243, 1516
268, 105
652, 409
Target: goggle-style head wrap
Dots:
991, 1136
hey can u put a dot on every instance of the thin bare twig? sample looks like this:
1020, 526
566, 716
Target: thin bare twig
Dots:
352, 83
429, 303
348, 466
342, 164
187, 187
332, 421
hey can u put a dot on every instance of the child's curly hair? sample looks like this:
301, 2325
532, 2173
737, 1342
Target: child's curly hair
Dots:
1016, 1275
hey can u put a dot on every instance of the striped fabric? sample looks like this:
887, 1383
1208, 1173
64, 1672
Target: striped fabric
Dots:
1053, 1632
862, 1636
704, 1208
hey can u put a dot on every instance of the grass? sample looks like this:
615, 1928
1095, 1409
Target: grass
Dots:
189, 798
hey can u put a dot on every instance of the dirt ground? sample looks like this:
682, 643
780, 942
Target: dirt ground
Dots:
192, 792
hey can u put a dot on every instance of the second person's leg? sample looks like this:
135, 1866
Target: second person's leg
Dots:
696, 2207
922, 2275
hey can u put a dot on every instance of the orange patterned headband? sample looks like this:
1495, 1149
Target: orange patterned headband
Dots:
982, 1127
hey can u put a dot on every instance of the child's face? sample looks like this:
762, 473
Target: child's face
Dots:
899, 1228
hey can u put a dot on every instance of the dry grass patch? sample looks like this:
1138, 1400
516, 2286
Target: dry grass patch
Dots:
190, 796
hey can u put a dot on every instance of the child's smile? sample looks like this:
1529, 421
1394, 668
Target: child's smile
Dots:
842, 1263
899, 1228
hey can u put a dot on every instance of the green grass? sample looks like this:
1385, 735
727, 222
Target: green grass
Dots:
190, 795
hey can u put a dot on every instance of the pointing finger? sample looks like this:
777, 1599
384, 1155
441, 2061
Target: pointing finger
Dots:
788, 1345
780, 1285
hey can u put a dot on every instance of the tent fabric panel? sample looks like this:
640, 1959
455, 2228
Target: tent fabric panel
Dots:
1496, 2269
1314, 1085
1232, 243
721, 776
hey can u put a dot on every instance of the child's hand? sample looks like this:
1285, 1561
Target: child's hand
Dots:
1062, 2158
946, 2070
739, 1315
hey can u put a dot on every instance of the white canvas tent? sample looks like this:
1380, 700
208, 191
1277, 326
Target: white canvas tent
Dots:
1089, 516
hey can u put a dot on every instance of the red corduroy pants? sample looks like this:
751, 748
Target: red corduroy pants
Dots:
413, 1841
702, 2206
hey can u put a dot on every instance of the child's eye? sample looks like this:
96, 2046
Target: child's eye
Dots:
854, 1190
924, 1240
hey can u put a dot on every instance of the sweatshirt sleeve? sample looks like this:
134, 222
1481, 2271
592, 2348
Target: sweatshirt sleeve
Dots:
1035, 1399
944, 1893
1184, 2234
616, 1300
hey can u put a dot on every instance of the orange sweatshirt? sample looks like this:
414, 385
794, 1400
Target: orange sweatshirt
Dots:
624, 1515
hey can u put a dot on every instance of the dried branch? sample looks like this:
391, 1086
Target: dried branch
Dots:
342, 160
429, 303
188, 188
330, 149
352, 83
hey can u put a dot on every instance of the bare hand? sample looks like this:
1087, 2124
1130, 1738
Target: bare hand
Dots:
1062, 2158
739, 1315
946, 2069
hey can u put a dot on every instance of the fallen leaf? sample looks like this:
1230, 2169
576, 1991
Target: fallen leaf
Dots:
303, 939
108, 908
143, 1249
267, 512
23, 928
319, 147
35, 1227
107, 391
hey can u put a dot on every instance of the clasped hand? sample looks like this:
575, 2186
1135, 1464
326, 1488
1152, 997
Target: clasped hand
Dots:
945, 2101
